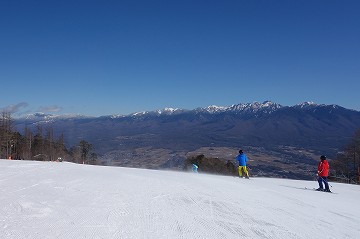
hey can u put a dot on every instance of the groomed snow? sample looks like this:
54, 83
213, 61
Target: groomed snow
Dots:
65, 200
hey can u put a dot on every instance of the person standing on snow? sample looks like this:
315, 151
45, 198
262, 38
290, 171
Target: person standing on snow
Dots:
242, 164
323, 173
195, 168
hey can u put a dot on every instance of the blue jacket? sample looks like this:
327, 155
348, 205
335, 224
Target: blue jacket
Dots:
195, 168
242, 159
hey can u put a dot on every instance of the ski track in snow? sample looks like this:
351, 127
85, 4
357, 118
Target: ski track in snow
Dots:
64, 200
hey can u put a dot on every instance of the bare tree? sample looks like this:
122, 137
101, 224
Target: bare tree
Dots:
6, 128
347, 163
28, 140
49, 146
85, 148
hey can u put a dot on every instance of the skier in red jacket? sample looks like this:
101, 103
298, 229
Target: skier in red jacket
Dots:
323, 173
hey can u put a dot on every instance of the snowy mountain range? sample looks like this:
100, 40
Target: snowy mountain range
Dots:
266, 107
286, 135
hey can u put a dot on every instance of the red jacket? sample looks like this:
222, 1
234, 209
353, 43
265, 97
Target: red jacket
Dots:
323, 168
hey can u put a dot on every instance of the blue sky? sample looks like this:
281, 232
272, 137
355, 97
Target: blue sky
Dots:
118, 57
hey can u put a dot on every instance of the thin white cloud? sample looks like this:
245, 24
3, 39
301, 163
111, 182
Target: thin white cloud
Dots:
15, 108
52, 108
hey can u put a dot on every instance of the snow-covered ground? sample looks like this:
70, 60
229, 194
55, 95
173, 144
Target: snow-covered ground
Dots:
65, 200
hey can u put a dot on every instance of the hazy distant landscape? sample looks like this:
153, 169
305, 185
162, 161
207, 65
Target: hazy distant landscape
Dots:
281, 141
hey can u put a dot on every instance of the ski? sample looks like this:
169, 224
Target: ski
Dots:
314, 189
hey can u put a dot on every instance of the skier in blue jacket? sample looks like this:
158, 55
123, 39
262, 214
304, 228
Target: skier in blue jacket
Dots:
242, 164
195, 168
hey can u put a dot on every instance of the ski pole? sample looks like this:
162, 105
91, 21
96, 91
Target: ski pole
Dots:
325, 181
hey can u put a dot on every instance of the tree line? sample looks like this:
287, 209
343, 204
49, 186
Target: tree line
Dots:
41, 145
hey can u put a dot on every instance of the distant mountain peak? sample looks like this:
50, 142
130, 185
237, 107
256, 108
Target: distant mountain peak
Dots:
312, 105
117, 116
140, 113
43, 116
254, 107
306, 104
215, 109
37, 115
168, 110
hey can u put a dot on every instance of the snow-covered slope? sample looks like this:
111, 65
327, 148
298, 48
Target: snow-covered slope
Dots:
64, 200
